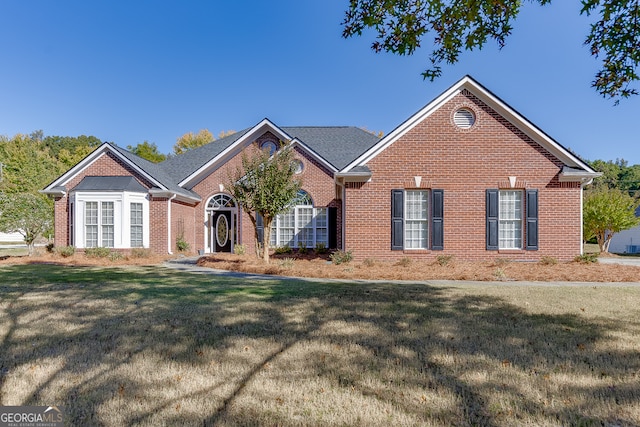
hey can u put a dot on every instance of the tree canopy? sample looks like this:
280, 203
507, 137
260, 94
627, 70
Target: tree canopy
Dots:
617, 174
265, 185
606, 212
29, 214
456, 25
147, 150
189, 141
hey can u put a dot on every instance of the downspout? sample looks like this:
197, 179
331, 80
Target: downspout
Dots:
343, 226
169, 247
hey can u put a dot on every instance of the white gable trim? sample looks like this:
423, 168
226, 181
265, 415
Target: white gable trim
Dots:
88, 161
296, 142
493, 102
264, 126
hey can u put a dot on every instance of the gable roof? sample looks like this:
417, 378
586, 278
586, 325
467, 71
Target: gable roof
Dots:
333, 146
110, 183
148, 170
338, 145
581, 171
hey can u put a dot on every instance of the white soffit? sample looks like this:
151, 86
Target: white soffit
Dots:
259, 129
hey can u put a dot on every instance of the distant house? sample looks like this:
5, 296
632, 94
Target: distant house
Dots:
11, 237
626, 241
466, 175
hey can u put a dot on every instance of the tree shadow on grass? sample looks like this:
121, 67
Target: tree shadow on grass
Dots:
150, 346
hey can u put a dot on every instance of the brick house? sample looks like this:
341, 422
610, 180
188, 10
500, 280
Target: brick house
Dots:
466, 175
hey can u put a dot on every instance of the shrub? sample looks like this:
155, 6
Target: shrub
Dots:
501, 262
500, 274
50, 248
140, 253
239, 249
586, 258
369, 262
181, 244
341, 257
287, 263
65, 251
98, 252
548, 260
404, 262
444, 259
279, 250
321, 248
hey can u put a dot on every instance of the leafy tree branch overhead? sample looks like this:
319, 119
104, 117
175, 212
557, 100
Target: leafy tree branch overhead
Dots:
401, 26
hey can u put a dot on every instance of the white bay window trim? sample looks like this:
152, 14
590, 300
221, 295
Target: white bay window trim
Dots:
113, 221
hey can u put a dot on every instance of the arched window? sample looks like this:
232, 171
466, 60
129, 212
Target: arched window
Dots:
303, 226
221, 201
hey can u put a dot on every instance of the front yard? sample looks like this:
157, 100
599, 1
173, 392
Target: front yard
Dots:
151, 346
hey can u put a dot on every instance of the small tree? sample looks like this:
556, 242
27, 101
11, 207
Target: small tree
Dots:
25, 213
607, 212
265, 186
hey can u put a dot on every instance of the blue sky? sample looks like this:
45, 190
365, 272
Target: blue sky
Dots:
130, 71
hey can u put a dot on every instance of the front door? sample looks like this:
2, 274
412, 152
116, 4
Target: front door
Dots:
222, 231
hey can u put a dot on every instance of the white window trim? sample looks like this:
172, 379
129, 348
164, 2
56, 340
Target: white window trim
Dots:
121, 216
405, 210
502, 220
316, 212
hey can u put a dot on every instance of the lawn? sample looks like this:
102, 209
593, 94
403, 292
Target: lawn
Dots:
151, 346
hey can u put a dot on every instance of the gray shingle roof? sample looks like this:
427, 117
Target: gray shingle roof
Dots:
181, 166
338, 145
157, 172
110, 183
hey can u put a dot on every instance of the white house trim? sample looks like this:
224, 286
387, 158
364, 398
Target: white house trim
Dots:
88, 161
232, 150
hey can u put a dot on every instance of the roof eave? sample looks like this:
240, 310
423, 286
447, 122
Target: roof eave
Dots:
583, 177
354, 176
158, 192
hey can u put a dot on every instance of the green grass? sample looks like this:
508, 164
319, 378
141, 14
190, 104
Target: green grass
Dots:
151, 346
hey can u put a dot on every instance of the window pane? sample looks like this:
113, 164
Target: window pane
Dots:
91, 224
107, 224
322, 234
510, 219
136, 225
304, 225
416, 226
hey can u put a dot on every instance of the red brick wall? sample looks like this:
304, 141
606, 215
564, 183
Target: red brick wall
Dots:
317, 181
183, 224
158, 232
464, 163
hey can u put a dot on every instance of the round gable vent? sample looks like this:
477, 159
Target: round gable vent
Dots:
464, 118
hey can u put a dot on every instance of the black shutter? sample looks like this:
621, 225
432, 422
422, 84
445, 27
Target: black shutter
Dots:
332, 223
260, 227
397, 220
532, 220
492, 220
437, 225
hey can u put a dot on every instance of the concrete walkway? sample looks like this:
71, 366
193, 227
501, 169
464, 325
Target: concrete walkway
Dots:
188, 264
